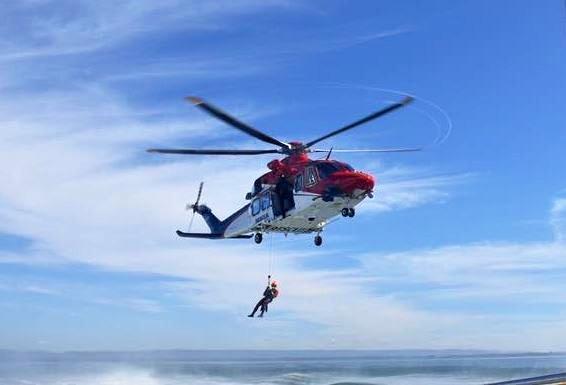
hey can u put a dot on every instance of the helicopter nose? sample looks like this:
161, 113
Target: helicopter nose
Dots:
356, 180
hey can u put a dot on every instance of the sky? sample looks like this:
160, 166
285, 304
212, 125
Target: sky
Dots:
463, 245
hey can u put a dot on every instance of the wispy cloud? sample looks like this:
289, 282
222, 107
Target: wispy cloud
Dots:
80, 186
81, 198
26, 287
333, 39
63, 28
404, 187
137, 304
365, 38
187, 68
74, 190
489, 289
558, 219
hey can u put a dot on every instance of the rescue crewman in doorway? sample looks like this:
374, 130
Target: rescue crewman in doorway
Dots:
284, 190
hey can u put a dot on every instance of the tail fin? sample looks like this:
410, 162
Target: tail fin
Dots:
215, 225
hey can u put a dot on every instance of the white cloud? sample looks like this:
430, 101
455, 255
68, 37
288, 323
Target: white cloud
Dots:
75, 190
485, 270
491, 291
558, 219
78, 183
137, 304
337, 38
25, 287
62, 28
81, 198
402, 188
225, 67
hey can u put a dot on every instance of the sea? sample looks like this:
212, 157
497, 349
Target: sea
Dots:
180, 367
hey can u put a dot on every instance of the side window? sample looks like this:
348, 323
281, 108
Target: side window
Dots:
256, 206
299, 182
311, 177
265, 201
257, 186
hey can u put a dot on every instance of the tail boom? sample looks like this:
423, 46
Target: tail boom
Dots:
217, 227
210, 235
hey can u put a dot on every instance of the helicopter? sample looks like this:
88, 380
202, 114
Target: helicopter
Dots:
298, 195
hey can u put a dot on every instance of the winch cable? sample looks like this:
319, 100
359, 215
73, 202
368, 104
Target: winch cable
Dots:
270, 256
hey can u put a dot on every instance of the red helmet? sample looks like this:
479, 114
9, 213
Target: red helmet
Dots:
274, 283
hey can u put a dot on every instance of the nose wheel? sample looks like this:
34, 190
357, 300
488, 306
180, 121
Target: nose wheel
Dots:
318, 240
348, 212
258, 237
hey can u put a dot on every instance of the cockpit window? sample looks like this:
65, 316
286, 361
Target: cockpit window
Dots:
346, 167
325, 169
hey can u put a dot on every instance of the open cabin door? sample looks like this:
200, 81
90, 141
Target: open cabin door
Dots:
270, 204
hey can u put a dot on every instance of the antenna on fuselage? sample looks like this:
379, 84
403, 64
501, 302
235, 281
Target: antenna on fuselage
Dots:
329, 152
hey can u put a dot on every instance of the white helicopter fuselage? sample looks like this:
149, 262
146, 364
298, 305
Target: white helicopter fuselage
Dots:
311, 213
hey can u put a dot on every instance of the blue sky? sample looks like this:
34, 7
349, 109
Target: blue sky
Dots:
462, 247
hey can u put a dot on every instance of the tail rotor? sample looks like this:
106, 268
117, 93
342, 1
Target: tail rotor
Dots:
194, 206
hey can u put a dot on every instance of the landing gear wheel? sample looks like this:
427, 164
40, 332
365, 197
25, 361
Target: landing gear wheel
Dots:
345, 212
318, 240
258, 238
351, 212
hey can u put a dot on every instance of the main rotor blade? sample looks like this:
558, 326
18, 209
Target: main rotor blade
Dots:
188, 151
368, 118
373, 150
219, 114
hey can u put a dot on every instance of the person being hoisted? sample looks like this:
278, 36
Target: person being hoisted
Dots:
269, 294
